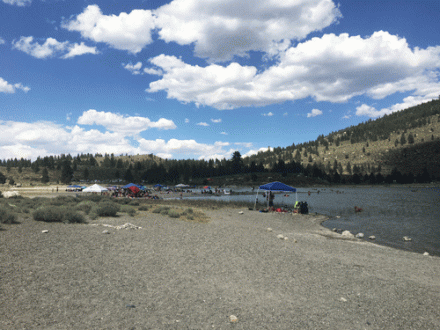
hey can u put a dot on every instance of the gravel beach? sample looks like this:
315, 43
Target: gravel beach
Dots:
176, 274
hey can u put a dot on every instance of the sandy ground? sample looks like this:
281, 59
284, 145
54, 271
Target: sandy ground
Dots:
175, 274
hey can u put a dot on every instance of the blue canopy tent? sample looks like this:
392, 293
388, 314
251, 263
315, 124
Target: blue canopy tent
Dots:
275, 186
131, 185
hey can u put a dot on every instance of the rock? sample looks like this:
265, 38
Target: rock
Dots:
372, 237
241, 212
130, 306
233, 318
45, 231
407, 239
106, 232
10, 194
335, 230
269, 229
346, 233
359, 235
295, 241
280, 236
342, 299
426, 254
286, 238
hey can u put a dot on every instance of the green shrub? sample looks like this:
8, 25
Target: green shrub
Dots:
107, 209
164, 211
130, 210
7, 216
85, 206
161, 209
173, 214
123, 201
49, 214
190, 217
188, 211
73, 216
143, 208
134, 202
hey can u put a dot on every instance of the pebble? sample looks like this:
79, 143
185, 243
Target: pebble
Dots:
241, 212
360, 235
130, 306
342, 299
286, 238
280, 236
269, 229
372, 237
45, 231
347, 233
407, 239
106, 232
426, 254
233, 318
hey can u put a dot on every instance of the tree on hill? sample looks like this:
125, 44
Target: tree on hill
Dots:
66, 172
402, 139
236, 163
410, 138
2, 178
45, 175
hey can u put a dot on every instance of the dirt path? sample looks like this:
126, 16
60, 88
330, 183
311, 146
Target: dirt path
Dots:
175, 274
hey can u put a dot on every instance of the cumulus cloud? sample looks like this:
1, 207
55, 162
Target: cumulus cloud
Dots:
331, 68
127, 31
216, 120
79, 49
20, 3
269, 114
133, 68
224, 133
203, 124
220, 29
314, 113
254, 152
129, 126
30, 140
51, 47
8, 88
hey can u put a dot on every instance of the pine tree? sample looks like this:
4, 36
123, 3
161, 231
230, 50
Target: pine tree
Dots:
66, 172
410, 138
45, 176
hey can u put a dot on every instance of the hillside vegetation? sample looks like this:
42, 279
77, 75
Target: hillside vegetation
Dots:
401, 147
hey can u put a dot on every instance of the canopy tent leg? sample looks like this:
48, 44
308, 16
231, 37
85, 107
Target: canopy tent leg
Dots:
256, 198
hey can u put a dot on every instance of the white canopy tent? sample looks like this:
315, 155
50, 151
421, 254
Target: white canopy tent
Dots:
96, 188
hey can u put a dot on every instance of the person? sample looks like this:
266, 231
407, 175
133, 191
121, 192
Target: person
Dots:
271, 198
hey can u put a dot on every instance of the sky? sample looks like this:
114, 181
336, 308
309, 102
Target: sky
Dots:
201, 79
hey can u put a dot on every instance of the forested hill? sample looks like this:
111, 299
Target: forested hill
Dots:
367, 146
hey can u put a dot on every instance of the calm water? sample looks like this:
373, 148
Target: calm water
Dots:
389, 213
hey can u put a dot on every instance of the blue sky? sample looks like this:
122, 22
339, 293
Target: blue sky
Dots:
201, 79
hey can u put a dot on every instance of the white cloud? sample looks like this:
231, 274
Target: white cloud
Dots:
133, 68
331, 68
129, 126
2, 41
20, 3
285, 114
8, 88
216, 120
79, 49
30, 140
224, 133
68, 116
186, 120
203, 124
314, 113
269, 114
244, 144
254, 152
130, 32
220, 29
51, 47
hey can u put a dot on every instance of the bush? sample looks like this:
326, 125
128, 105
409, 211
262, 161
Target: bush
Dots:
134, 203
49, 214
144, 208
85, 206
7, 217
128, 209
72, 216
161, 209
107, 209
173, 214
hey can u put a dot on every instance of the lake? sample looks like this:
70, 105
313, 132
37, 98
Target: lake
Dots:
388, 213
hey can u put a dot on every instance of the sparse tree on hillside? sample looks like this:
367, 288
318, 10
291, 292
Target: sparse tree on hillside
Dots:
66, 172
410, 138
402, 139
2, 178
45, 176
